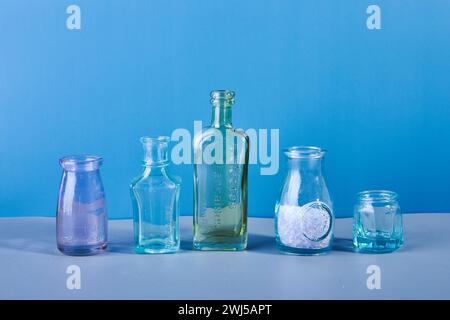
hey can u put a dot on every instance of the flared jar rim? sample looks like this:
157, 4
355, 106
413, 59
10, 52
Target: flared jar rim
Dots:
222, 93
222, 98
377, 195
153, 139
80, 162
304, 152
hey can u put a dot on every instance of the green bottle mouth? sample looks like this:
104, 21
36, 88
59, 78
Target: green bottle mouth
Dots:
222, 98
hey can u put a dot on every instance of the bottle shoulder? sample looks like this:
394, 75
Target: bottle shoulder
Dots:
176, 180
241, 133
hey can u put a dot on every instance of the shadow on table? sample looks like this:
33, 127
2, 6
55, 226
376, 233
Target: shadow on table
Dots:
346, 245
262, 244
256, 242
31, 245
27, 236
123, 242
186, 244
125, 247
266, 244
43, 245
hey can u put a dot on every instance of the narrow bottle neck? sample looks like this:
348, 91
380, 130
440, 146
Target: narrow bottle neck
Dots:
221, 117
155, 151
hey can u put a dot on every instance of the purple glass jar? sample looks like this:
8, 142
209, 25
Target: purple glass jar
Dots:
81, 218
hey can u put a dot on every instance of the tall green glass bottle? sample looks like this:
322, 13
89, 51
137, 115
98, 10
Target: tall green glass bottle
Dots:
220, 180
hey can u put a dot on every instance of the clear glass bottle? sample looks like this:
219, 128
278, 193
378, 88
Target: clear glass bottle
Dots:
220, 180
155, 196
81, 218
377, 222
303, 214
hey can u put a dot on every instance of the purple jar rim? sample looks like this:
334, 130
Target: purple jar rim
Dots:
81, 162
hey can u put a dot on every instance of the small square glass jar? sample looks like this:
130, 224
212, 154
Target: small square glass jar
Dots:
377, 222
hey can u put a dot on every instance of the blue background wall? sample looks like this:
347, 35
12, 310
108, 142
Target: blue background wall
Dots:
378, 100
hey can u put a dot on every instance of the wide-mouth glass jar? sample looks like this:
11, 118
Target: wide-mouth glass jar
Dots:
377, 221
303, 214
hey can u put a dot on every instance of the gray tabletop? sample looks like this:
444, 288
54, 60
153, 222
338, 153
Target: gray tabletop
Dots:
32, 267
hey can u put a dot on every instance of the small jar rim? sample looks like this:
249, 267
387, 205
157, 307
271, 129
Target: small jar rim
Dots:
304, 152
377, 195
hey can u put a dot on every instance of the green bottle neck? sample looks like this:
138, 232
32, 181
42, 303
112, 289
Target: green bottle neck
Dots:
221, 100
221, 117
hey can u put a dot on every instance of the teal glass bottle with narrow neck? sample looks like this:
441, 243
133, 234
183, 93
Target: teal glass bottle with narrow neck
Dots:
154, 195
221, 156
